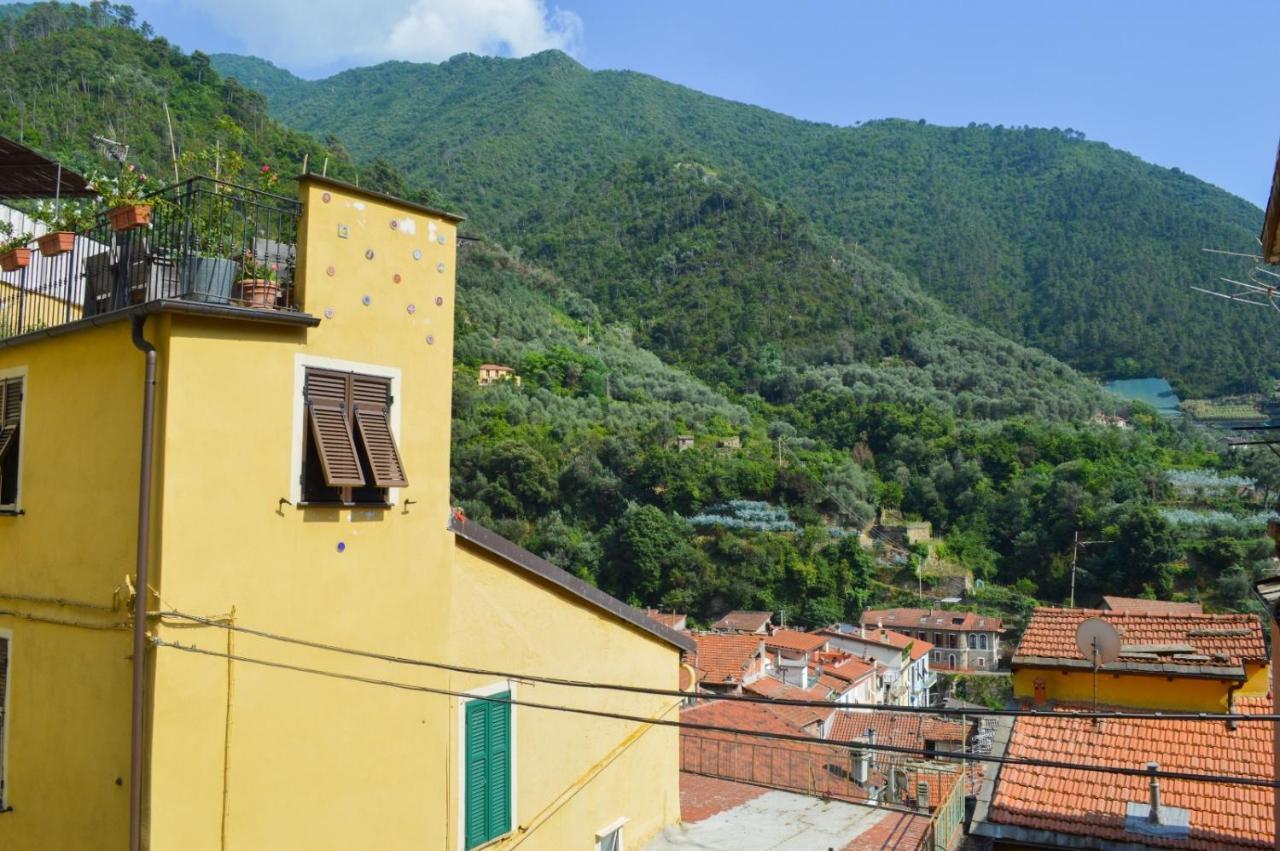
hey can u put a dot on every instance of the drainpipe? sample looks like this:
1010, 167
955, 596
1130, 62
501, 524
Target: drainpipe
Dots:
141, 585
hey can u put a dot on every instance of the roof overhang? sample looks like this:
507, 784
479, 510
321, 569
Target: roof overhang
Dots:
517, 556
343, 186
1271, 223
1208, 672
25, 173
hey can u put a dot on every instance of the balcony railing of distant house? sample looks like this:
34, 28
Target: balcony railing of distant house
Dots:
208, 241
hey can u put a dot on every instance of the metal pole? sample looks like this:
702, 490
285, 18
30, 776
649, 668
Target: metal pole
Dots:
1075, 552
140, 592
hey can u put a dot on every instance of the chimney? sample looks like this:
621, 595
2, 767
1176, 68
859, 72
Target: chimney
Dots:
922, 796
1154, 815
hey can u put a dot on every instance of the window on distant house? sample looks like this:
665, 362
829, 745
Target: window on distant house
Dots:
487, 793
349, 452
951, 660
10, 426
982, 663
973, 641
610, 838
4, 722
982, 641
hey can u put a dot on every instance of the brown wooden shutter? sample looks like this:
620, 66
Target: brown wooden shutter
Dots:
10, 414
371, 399
326, 394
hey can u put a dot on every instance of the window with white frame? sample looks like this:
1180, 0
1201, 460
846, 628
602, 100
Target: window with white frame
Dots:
610, 838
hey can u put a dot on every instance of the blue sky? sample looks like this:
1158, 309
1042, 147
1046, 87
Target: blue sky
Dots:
1177, 83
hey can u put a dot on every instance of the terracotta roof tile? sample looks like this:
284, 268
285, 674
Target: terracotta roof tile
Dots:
1218, 640
725, 657
790, 639
801, 716
1150, 607
1093, 804
851, 670
740, 621
674, 620
932, 619
896, 729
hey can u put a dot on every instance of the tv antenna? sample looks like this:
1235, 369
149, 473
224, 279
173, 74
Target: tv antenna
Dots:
1099, 643
112, 149
1076, 544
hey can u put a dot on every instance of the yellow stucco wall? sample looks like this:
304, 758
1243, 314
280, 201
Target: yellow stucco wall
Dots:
249, 757
1145, 691
69, 685
574, 774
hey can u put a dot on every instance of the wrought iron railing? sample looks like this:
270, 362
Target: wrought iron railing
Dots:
207, 241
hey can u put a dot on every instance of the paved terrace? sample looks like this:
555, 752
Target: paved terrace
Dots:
721, 815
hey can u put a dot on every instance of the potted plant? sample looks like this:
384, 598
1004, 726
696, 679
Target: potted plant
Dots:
14, 253
124, 198
259, 286
64, 221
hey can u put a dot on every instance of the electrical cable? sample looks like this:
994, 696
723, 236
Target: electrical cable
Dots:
810, 704
693, 725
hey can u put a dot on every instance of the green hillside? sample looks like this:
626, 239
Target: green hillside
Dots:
1070, 245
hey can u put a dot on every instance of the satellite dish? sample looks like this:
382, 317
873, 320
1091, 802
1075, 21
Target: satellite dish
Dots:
1099, 641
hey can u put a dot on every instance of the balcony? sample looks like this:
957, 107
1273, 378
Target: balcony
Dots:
208, 242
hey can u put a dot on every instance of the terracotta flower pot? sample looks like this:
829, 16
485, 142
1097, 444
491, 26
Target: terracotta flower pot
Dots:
258, 292
56, 242
129, 216
15, 259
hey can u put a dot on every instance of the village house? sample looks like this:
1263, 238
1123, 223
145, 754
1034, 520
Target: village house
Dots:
755, 623
904, 661
792, 653
671, 620
962, 641
180, 468
1166, 662
492, 373
849, 678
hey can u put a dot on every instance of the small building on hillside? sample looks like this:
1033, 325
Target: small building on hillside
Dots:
756, 623
962, 641
684, 441
731, 442
492, 373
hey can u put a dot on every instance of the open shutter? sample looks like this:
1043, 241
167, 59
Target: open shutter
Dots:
476, 797
371, 399
10, 415
500, 766
326, 395
332, 433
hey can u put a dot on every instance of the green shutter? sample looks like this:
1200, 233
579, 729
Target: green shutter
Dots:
500, 767
488, 770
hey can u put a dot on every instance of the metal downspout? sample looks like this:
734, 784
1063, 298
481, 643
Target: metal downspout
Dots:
141, 586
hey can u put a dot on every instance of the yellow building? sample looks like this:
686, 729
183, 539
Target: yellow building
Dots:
1171, 661
296, 536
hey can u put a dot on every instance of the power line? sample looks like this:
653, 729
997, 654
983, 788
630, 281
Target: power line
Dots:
813, 704
693, 725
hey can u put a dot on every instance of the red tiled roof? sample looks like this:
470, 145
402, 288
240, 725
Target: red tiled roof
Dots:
790, 639
738, 621
801, 716
1150, 607
851, 670
887, 638
1093, 804
756, 717
1218, 640
896, 729
932, 619
675, 620
725, 657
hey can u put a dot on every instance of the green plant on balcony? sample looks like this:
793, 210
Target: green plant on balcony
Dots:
14, 253
65, 220
124, 197
259, 284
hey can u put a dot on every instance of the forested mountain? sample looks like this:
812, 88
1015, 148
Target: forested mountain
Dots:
1070, 245
655, 283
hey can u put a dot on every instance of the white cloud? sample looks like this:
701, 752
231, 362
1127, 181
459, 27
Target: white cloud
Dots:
313, 34
432, 31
